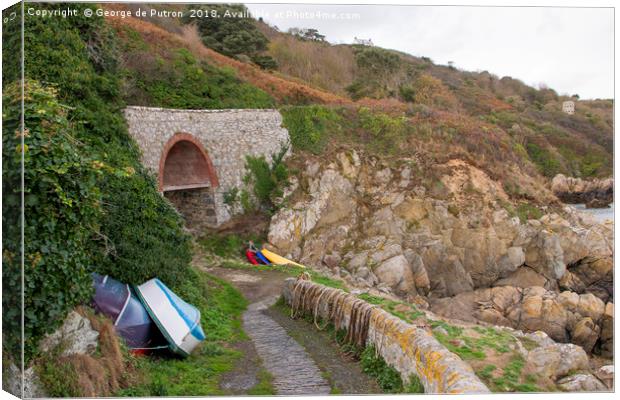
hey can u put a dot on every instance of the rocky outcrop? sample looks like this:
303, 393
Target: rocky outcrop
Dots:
595, 193
590, 275
606, 375
76, 336
556, 360
565, 316
453, 240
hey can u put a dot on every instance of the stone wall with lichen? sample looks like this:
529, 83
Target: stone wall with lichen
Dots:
227, 135
409, 349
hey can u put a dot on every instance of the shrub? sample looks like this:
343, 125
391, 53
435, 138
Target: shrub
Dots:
309, 126
426, 89
319, 64
546, 163
229, 35
386, 132
265, 62
376, 71
527, 211
267, 180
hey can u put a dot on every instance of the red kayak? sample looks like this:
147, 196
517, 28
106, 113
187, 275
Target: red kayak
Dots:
251, 257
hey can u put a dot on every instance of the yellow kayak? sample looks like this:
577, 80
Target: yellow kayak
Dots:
277, 259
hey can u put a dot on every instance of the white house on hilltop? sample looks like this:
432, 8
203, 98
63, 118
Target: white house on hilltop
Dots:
568, 107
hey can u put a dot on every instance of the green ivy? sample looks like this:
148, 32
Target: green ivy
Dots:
62, 207
92, 206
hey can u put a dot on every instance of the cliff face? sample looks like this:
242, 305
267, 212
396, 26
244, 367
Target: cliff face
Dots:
595, 193
371, 225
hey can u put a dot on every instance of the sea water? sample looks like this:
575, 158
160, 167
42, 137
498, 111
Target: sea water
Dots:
601, 214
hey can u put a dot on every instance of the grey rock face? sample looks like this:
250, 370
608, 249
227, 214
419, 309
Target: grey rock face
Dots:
557, 360
581, 383
12, 382
396, 273
606, 375
76, 336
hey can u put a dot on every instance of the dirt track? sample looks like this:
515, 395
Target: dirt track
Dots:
300, 359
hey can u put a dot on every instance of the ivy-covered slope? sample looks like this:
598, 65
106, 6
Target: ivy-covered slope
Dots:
89, 204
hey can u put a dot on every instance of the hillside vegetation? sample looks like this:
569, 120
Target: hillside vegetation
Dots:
530, 119
516, 133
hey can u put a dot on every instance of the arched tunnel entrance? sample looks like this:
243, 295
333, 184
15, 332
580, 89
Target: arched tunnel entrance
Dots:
188, 179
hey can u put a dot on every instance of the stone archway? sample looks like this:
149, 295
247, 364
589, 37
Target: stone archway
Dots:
185, 164
188, 179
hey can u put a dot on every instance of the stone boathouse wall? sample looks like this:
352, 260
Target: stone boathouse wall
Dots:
226, 136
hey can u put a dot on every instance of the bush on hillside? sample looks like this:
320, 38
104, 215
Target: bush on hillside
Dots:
377, 72
428, 90
329, 67
267, 179
228, 35
309, 126
387, 133
265, 62
548, 165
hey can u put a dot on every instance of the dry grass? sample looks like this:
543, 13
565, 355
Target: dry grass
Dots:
280, 88
329, 67
389, 106
102, 374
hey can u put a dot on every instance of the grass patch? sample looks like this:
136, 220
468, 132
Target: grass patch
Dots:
310, 126
58, 378
264, 387
486, 372
414, 385
511, 380
407, 312
526, 211
291, 270
388, 378
221, 307
228, 245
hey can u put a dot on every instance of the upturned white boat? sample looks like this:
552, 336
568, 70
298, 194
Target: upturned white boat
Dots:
177, 320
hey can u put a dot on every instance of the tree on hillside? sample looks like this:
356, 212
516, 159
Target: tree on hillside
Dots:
307, 34
231, 33
378, 71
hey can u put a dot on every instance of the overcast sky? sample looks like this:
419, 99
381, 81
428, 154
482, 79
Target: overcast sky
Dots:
568, 49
